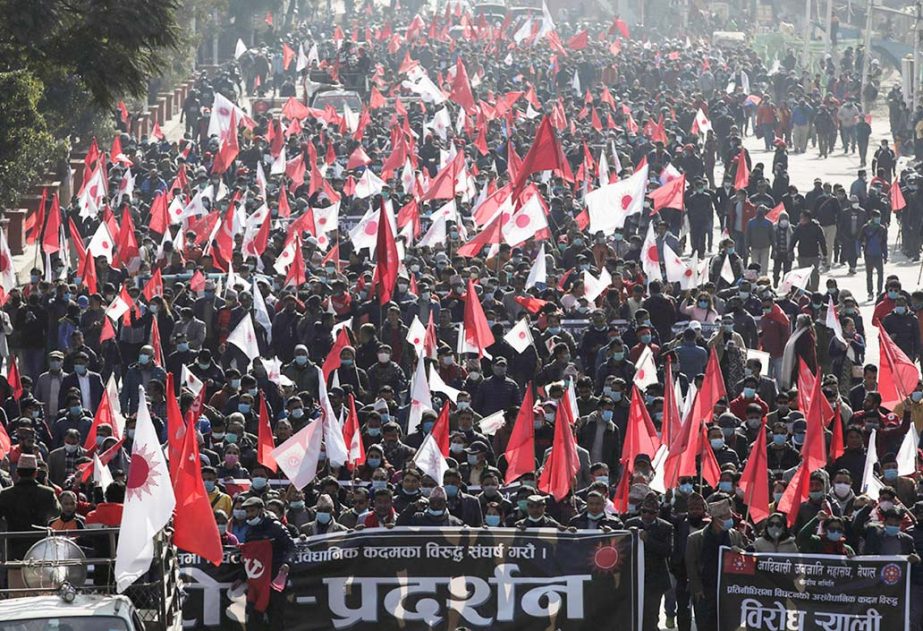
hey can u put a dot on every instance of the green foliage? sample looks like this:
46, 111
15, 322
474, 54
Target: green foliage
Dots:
112, 46
25, 143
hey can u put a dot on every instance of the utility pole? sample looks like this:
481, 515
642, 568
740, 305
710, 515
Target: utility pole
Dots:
916, 58
829, 38
866, 59
807, 34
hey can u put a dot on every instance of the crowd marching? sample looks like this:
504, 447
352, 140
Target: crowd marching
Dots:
532, 279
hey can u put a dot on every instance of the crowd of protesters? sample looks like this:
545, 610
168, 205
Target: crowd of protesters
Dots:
638, 99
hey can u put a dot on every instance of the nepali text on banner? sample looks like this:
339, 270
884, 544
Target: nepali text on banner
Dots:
791, 592
440, 579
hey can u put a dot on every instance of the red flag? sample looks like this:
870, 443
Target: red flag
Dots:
5, 443
520, 450
898, 376
127, 249
814, 451
194, 526
76, 239
672, 423
640, 433
477, 331
754, 481
530, 303
296, 275
332, 361
160, 219
156, 343
795, 493
287, 55
176, 430
441, 430
461, 87
154, 285
108, 332
742, 176
51, 241
197, 282
562, 464
265, 442
443, 185
103, 416
689, 443
376, 100
13, 379
773, 215
670, 195
897, 196
579, 41
230, 147
352, 437
257, 558
837, 446
387, 261
156, 132
36, 221
544, 155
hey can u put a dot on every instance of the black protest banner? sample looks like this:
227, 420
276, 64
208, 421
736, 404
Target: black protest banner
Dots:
789, 592
441, 578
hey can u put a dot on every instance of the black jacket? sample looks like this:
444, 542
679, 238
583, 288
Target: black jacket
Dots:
658, 549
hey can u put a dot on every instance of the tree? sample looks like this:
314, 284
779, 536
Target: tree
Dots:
25, 144
112, 46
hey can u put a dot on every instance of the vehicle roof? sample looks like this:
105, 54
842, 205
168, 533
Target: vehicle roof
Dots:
33, 607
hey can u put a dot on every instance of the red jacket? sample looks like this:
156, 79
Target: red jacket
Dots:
107, 514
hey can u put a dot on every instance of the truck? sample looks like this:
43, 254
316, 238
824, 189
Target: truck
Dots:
65, 581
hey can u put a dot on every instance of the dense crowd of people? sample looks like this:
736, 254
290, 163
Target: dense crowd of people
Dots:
230, 224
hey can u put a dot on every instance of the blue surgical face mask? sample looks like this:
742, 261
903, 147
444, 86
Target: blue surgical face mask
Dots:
76, 410
144, 360
323, 517
301, 360
296, 505
798, 439
749, 393
717, 443
239, 513
776, 496
618, 356
900, 310
374, 431
80, 369
725, 486
606, 415
816, 495
892, 531
492, 520
373, 462
379, 484
259, 483
346, 363
779, 439
685, 488
728, 523
230, 437
182, 347
297, 413
432, 512
451, 490
703, 304
645, 339
428, 426
890, 474
243, 408
834, 536
892, 294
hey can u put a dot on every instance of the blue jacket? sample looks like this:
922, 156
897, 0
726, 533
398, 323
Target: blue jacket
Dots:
138, 376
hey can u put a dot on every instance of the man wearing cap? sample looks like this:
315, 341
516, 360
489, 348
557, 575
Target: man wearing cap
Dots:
140, 373
657, 535
301, 370
429, 512
48, 384
535, 515
499, 392
24, 504
192, 327
703, 549
262, 526
324, 519
90, 384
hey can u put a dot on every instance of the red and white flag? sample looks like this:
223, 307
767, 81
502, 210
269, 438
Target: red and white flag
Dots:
610, 204
520, 336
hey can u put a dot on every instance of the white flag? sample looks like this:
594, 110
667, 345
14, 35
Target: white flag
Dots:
871, 485
429, 459
102, 477
112, 391
333, 431
610, 204
260, 312
594, 287
796, 278
575, 83
299, 455
149, 501
520, 336
101, 243
416, 335
368, 185
436, 384
244, 337
490, 424
192, 382
239, 49
7, 267
677, 270
420, 397
538, 274
645, 369
907, 454
833, 322
302, 62
727, 272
